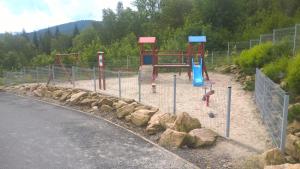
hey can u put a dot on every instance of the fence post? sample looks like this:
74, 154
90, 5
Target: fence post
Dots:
295, 40
228, 111
139, 83
94, 78
250, 44
119, 77
260, 39
274, 30
127, 61
263, 99
284, 122
174, 96
212, 58
53, 75
36, 75
73, 76
228, 49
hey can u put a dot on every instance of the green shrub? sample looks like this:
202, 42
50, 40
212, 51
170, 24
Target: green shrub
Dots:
277, 70
294, 113
282, 48
255, 57
261, 55
293, 75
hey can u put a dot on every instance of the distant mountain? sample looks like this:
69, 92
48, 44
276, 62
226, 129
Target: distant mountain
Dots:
66, 28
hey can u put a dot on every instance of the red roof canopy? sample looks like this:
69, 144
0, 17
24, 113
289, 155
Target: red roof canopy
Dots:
147, 40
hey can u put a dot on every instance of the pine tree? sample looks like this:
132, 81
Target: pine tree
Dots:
75, 31
57, 32
35, 39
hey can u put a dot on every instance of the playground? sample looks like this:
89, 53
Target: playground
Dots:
204, 96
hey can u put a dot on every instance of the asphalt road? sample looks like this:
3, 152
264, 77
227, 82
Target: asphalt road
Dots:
36, 135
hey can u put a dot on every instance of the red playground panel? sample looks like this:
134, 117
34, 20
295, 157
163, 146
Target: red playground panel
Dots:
147, 40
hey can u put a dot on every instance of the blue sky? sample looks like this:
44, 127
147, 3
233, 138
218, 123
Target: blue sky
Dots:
31, 15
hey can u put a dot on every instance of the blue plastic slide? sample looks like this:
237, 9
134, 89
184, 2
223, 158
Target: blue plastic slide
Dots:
197, 73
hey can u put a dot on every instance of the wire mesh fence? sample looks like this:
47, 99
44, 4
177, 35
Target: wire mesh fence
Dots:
217, 58
286, 34
26, 75
169, 92
272, 103
266, 38
254, 42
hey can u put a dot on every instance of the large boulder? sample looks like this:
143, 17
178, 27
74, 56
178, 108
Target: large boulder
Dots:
271, 157
106, 101
283, 166
33, 87
125, 110
292, 146
141, 117
172, 139
185, 123
77, 96
106, 109
65, 96
58, 93
40, 91
119, 104
158, 122
87, 101
128, 101
202, 137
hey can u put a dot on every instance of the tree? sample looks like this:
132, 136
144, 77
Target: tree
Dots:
75, 31
24, 34
120, 8
45, 42
147, 8
173, 12
57, 32
35, 39
226, 14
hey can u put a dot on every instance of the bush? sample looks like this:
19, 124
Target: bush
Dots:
294, 113
42, 60
261, 55
277, 70
293, 75
255, 57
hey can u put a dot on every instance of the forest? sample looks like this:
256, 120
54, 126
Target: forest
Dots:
171, 21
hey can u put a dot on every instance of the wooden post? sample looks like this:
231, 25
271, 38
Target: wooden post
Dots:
101, 66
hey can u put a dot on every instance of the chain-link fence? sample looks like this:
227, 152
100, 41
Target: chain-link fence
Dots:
272, 103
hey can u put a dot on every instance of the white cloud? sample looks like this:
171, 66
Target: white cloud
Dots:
58, 12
